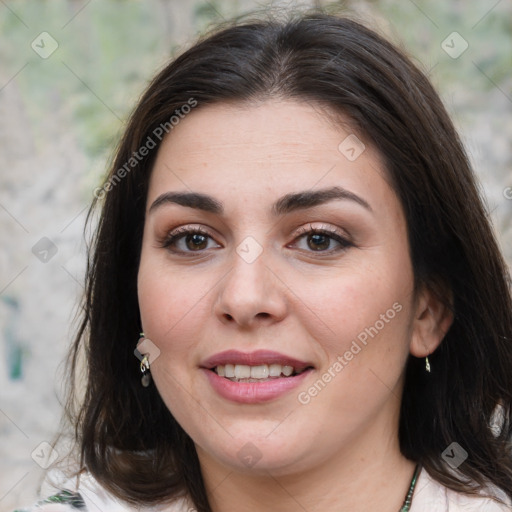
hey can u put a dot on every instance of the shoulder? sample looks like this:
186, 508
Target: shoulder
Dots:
87, 495
63, 501
431, 495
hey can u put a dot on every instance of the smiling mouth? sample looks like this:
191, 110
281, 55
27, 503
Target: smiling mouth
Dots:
258, 373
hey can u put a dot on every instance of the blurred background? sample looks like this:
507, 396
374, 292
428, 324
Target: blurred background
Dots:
71, 71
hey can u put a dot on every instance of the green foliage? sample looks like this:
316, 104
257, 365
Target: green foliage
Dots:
108, 50
423, 25
105, 56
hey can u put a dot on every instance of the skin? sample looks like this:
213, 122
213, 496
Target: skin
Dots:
338, 451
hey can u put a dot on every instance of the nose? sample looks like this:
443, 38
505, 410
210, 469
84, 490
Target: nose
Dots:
250, 294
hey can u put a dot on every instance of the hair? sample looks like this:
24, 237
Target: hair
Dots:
125, 435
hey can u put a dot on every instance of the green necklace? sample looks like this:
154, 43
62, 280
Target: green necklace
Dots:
408, 499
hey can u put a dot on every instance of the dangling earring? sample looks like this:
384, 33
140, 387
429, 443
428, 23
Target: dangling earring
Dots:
144, 366
427, 365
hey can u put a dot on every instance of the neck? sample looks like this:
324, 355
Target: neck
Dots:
353, 479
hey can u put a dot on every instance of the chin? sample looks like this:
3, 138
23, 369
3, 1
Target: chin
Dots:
256, 452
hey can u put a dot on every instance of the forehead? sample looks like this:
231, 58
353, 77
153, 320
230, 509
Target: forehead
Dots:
256, 150
272, 129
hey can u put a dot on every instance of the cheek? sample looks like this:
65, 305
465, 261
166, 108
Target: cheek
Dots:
343, 308
367, 321
171, 304
170, 309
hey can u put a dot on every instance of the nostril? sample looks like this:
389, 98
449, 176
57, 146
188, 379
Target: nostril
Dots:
246, 319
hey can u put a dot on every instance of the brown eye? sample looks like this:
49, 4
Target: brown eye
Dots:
196, 241
188, 240
323, 240
319, 242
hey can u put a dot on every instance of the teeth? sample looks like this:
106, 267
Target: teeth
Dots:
287, 370
260, 372
242, 371
275, 370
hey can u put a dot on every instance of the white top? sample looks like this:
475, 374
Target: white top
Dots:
429, 496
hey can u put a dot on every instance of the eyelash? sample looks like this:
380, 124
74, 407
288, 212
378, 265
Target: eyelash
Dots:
344, 242
179, 233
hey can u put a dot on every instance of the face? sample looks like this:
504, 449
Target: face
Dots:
293, 258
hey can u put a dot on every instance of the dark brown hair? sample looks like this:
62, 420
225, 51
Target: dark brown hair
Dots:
126, 436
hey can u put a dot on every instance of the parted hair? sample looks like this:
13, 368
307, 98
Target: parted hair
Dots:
125, 435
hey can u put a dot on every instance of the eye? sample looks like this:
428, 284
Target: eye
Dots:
187, 240
195, 239
324, 240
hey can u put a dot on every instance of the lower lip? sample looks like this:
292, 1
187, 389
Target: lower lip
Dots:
254, 392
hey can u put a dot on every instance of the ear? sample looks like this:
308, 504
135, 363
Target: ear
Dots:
432, 320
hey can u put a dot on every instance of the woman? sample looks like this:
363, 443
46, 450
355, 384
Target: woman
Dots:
292, 224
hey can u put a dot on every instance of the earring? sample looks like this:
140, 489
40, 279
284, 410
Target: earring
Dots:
144, 366
427, 364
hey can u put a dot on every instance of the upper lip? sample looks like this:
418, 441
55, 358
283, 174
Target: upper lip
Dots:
255, 358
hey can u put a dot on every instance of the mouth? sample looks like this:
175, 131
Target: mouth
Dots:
258, 366
259, 373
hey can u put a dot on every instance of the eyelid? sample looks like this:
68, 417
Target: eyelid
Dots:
178, 233
341, 237
324, 228
189, 228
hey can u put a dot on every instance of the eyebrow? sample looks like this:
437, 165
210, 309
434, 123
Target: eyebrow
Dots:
286, 204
